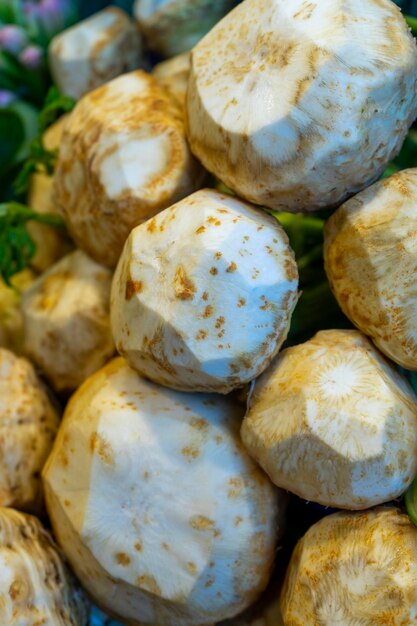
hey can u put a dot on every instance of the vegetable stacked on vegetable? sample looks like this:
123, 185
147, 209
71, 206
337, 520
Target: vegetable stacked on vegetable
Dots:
177, 470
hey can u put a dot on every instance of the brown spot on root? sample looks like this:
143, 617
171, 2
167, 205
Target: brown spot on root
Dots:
200, 230
291, 269
202, 334
132, 287
156, 349
138, 546
192, 567
151, 227
190, 453
205, 296
232, 267
199, 423
213, 271
16, 589
102, 447
123, 559
208, 311
241, 302
235, 488
200, 522
183, 285
219, 321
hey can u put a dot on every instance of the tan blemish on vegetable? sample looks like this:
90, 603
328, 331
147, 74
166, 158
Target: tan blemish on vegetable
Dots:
190, 452
214, 271
138, 546
219, 321
123, 559
133, 287
232, 267
208, 311
183, 285
103, 448
200, 522
199, 423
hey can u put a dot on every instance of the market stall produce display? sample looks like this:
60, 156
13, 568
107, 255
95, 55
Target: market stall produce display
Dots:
208, 366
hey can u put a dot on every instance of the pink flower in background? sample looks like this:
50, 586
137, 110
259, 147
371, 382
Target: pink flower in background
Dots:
49, 16
13, 39
31, 57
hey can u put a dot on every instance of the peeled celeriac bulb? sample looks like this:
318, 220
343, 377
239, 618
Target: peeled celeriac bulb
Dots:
332, 421
28, 425
354, 568
67, 320
123, 158
36, 588
162, 514
370, 257
203, 294
95, 51
296, 105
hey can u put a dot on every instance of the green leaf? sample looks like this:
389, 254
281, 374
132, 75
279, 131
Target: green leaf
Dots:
412, 22
29, 117
38, 157
7, 15
411, 501
12, 135
55, 105
16, 245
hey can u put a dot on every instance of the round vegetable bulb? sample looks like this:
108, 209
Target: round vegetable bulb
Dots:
28, 425
94, 51
11, 319
297, 105
67, 320
354, 568
332, 421
174, 26
370, 259
36, 587
51, 243
159, 509
203, 294
123, 158
173, 75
